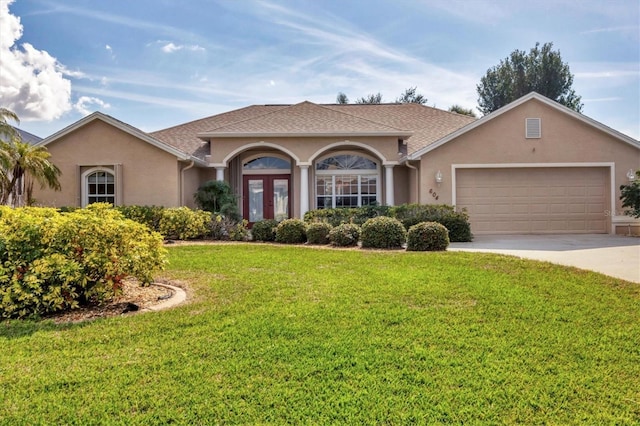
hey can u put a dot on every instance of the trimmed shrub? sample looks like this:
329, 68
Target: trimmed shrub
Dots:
182, 223
291, 231
337, 216
383, 232
456, 222
264, 230
147, 215
427, 236
458, 226
318, 233
50, 261
217, 197
239, 232
333, 217
345, 235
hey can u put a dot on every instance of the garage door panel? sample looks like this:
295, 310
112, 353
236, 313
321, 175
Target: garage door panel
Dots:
534, 200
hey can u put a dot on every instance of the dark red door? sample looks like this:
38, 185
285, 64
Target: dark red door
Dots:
266, 197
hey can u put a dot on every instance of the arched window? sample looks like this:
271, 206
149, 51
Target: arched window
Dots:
346, 180
99, 187
267, 163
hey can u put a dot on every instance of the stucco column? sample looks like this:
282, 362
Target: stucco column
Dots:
220, 173
388, 169
304, 189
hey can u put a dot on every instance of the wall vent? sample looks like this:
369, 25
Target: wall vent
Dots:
533, 128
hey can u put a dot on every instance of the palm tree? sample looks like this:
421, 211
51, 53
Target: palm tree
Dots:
7, 131
21, 164
29, 163
7, 134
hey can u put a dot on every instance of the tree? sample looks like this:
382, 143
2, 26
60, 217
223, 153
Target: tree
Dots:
342, 98
21, 164
217, 197
411, 97
462, 110
542, 71
26, 163
370, 99
7, 131
631, 196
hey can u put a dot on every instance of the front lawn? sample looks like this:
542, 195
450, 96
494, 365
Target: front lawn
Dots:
284, 334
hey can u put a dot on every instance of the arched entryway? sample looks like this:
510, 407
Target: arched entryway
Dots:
266, 187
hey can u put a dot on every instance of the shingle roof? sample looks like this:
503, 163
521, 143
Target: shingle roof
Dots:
305, 118
184, 136
425, 124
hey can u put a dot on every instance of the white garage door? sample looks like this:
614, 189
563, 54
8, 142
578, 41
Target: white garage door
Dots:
534, 200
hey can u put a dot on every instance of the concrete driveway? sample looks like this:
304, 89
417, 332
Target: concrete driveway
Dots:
612, 255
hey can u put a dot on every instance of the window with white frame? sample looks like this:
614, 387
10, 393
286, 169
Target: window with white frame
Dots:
99, 186
346, 180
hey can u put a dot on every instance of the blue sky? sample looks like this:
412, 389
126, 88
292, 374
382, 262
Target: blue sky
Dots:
157, 63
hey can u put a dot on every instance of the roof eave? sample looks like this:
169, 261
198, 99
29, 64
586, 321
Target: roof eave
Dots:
119, 125
533, 95
209, 135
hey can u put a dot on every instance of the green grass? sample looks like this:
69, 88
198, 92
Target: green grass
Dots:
281, 334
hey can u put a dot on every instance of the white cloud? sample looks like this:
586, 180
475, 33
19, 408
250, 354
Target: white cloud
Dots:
171, 47
109, 49
32, 82
82, 106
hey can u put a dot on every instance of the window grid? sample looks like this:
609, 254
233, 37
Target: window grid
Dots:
101, 188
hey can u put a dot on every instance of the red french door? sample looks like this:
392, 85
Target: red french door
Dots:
266, 197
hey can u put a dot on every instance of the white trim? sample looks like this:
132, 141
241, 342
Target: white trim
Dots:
533, 95
304, 190
125, 128
388, 179
610, 165
346, 144
260, 144
533, 128
84, 197
207, 135
266, 171
220, 174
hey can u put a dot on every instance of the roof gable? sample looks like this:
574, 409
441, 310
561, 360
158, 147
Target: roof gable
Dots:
305, 119
139, 134
515, 104
184, 136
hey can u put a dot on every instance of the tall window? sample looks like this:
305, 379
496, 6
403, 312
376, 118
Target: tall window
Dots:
100, 187
346, 180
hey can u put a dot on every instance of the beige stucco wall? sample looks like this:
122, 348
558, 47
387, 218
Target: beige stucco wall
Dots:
149, 174
192, 178
502, 140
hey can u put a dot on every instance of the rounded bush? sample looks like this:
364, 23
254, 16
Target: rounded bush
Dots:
427, 236
264, 230
182, 223
53, 261
318, 233
383, 232
291, 231
345, 235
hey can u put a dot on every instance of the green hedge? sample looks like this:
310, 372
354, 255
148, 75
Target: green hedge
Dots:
383, 232
51, 261
427, 236
291, 231
409, 214
345, 235
264, 230
318, 233
341, 215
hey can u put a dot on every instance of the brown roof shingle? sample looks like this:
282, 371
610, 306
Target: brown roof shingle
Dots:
425, 124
